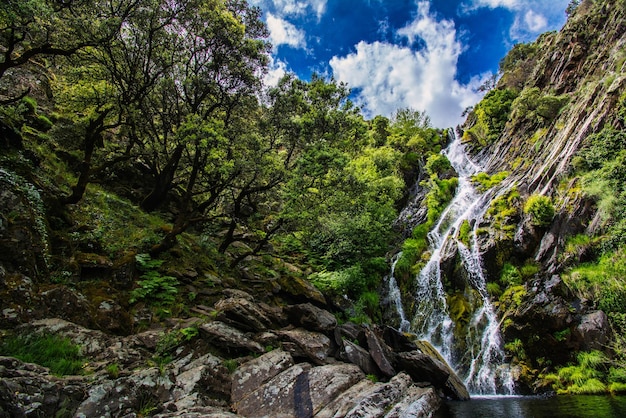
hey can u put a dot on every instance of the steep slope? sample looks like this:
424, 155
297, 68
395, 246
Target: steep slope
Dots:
566, 89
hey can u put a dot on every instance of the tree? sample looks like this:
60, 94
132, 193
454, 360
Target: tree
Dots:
36, 28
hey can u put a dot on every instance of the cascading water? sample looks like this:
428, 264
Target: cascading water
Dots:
483, 359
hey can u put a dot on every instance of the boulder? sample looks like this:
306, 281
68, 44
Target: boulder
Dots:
454, 386
300, 289
380, 352
285, 395
594, 331
328, 382
349, 331
416, 402
311, 317
229, 338
253, 374
347, 400
242, 314
299, 391
423, 368
380, 397
397, 340
304, 344
353, 353
205, 376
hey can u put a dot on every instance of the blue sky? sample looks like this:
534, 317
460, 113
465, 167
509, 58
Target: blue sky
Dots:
427, 55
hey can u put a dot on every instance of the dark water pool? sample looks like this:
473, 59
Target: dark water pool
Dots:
529, 406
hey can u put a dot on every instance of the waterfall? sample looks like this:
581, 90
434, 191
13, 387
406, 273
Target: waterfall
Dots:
394, 295
482, 362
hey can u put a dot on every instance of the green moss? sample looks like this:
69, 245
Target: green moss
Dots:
540, 209
484, 182
465, 232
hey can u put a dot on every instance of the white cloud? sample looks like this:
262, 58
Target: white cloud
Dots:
285, 8
276, 70
284, 33
535, 22
389, 76
531, 16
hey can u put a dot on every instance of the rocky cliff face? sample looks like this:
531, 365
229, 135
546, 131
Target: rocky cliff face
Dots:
569, 85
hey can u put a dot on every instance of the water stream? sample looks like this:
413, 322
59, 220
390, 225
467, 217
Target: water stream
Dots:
481, 363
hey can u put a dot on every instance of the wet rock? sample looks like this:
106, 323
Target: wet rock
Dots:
304, 344
454, 386
229, 338
311, 317
594, 331
253, 374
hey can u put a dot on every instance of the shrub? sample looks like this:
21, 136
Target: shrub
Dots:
59, 354
437, 164
540, 209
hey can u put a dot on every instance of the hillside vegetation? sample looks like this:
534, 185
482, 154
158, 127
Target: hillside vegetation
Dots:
148, 178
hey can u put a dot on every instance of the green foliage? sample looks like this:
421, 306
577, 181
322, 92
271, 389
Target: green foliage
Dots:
540, 209
465, 232
30, 104
114, 223
437, 164
602, 281
231, 365
516, 347
494, 290
591, 375
484, 181
517, 54
503, 214
491, 115
59, 354
155, 289
510, 275
534, 106
113, 370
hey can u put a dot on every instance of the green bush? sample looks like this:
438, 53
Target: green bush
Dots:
59, 354
540, 209
437, 164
